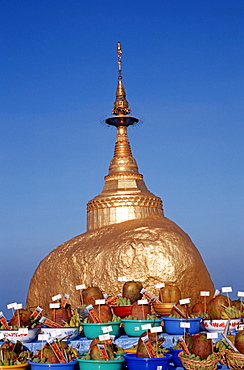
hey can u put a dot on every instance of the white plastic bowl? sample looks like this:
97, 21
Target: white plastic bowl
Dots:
69, 333
13, 335
218, 325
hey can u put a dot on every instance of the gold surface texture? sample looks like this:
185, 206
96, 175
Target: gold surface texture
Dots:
150, 250
125, 195
127, 235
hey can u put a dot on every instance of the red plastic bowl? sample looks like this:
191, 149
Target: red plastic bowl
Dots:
122, 311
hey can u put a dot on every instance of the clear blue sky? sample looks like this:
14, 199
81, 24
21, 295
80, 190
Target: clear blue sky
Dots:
183, 74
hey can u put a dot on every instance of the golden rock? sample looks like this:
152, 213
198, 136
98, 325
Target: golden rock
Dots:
127, 235
151, 250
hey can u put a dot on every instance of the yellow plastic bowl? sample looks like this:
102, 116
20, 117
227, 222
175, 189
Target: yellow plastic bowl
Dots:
15, 367
163, 309
130, 350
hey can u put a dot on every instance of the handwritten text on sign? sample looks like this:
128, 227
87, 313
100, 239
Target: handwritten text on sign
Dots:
185, 325
156, 329
146, 326
54, 305
212, 335
184, 301
81, 286
106, 329
122, 278
142, 301
104, 337
55, 297
226, 289
204, 294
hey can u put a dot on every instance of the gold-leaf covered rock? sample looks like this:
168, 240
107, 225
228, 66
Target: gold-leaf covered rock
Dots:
151, 250
127, 235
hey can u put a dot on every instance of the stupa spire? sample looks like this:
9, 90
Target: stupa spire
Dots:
121, 106
125, 195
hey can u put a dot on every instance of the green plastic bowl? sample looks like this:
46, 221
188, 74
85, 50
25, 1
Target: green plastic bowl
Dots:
93, 330
133, 327
103, 365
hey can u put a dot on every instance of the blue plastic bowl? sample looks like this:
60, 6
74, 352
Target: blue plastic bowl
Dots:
93, 330
172, 326
103, 365
48, 365
174, 352
133, 327
135, 363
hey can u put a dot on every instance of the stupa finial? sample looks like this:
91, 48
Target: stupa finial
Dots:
119, 52
121, 106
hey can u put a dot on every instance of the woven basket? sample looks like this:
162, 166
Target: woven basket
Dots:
235, 360
199, 365
222, 359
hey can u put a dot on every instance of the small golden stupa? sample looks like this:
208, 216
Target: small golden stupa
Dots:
127, 235
125, 195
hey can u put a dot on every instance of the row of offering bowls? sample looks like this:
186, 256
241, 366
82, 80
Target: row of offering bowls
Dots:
171, 326
133, 328
132, 363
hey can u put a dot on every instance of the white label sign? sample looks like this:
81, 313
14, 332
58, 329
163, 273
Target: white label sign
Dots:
217, 292
43, 337
54, 305
55, 297
122, 278
204, 294
185, 325
136, 328
146, 326
156, 329
106, 329
11, 305
104, 337
160, 285
142, 301
184, 301
81, 286
100, 301
18, 306
240, 294
226, 289
159, 367
145, 339
212, 335
23, 331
